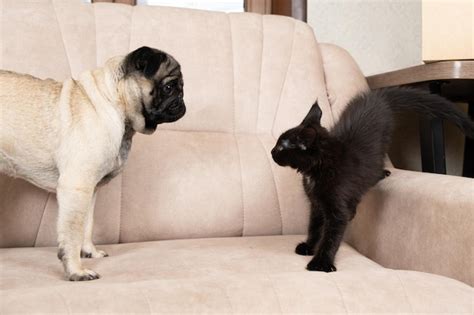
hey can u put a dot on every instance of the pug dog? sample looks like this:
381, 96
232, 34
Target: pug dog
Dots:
74, 136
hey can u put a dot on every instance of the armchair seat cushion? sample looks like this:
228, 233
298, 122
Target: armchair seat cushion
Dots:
221, 275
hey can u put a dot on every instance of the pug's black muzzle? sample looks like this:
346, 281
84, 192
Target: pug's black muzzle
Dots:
169, 112
177, 109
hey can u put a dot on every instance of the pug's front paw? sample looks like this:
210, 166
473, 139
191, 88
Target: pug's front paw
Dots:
93, 253
84, 275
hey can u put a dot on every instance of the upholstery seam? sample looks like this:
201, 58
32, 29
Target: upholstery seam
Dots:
123, 172
131, 25
68, 308
234, 125
233, 74
120, 209
7, 190
260, 78
214, 131
62, 37
274, 292
41, 220
2, 16
150, 310
241, 185
404, 291
286, 76
228, 300
326, 85
274, 183
95, 27
330, 275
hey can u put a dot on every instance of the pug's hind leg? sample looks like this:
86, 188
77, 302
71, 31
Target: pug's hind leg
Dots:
74, 203
88, 249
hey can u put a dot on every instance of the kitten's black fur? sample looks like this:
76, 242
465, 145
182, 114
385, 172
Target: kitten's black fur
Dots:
341, 164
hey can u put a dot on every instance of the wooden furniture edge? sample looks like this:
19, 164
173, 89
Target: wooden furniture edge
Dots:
442, 70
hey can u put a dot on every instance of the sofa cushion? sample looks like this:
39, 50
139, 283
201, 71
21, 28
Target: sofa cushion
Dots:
221, 275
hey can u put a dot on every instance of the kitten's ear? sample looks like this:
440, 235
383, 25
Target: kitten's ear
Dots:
313, 116
145, 60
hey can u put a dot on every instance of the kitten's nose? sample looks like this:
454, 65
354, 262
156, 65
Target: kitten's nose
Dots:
277, 149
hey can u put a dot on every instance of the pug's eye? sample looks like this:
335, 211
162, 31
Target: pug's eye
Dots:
167, 89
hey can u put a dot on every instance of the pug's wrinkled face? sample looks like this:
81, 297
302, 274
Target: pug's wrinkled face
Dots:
152, 88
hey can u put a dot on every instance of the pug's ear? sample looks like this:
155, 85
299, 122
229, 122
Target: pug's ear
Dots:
145, 60
314, 115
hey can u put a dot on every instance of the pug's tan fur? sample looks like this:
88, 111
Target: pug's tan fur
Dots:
69, 137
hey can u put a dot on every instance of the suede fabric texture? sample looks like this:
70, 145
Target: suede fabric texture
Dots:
226, 275
418, 222
210, 175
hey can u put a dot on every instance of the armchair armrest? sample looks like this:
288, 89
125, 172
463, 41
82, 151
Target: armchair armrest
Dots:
418, 221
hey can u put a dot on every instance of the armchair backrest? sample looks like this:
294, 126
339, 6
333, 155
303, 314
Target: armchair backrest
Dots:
247, 78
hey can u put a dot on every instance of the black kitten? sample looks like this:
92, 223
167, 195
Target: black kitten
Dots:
341, 164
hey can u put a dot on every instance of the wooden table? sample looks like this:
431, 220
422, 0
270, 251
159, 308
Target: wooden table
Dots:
451, 79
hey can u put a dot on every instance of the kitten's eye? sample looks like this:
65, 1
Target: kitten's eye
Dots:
167, 89
302, 146
285, 144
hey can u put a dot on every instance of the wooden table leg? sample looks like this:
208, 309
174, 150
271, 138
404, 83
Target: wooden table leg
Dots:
468, 165
433, 157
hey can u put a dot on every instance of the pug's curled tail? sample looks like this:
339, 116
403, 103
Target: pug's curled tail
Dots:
427, 104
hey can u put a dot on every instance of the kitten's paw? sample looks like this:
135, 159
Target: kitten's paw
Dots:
303, 249
94, 253
386, 173
84, 275
321, 264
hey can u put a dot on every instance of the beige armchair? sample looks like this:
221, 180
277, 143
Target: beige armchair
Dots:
202, 220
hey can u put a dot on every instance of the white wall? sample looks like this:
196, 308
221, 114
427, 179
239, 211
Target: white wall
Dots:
382, 35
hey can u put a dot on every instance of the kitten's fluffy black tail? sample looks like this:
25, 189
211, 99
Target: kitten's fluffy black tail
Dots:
431, 105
